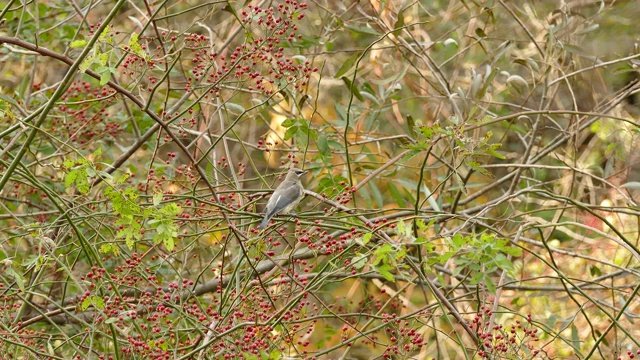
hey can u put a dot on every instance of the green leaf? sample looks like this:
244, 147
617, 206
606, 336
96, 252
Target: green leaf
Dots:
291, 132
79, 178
70, 178
401, 227
341, 111
289, 122
411, 124
428, 131
599, 334
395, 194
384, 270
336, 145
421, 225
588, 29
17, 277
503, 262
376, 194
512, 250
234, 108
82, 181
78, 44
104, 36
165, 226
157, 198
383, 254
450, 41
136, 48
491, 150
397, 27
489, 284
458, 240
86, 63
94, 300
171, 209
102, 174
168, 243
105, 76
366, 238
106, 248
359, 261
347, 65
363, 30
575, 337
130, 231
323, 145
352, 88
444, 257
102, 58
517, 81
480, 33
634, 185
476, 279
472, 266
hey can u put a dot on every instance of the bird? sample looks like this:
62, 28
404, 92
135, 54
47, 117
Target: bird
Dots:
285, 197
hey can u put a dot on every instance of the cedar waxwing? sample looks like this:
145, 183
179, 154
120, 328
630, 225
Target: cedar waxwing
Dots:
286, 196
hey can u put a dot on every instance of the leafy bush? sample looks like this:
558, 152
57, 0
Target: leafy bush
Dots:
472, 187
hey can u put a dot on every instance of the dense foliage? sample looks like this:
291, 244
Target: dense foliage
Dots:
472, 188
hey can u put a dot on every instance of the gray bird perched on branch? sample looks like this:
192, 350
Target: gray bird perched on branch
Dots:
286, 196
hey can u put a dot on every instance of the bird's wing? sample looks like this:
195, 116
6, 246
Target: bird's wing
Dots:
283, 200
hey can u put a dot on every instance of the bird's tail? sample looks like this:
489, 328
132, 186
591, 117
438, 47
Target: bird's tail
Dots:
264, 223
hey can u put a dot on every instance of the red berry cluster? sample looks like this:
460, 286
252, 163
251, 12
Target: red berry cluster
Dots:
85, 117
262, 58
497, 341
